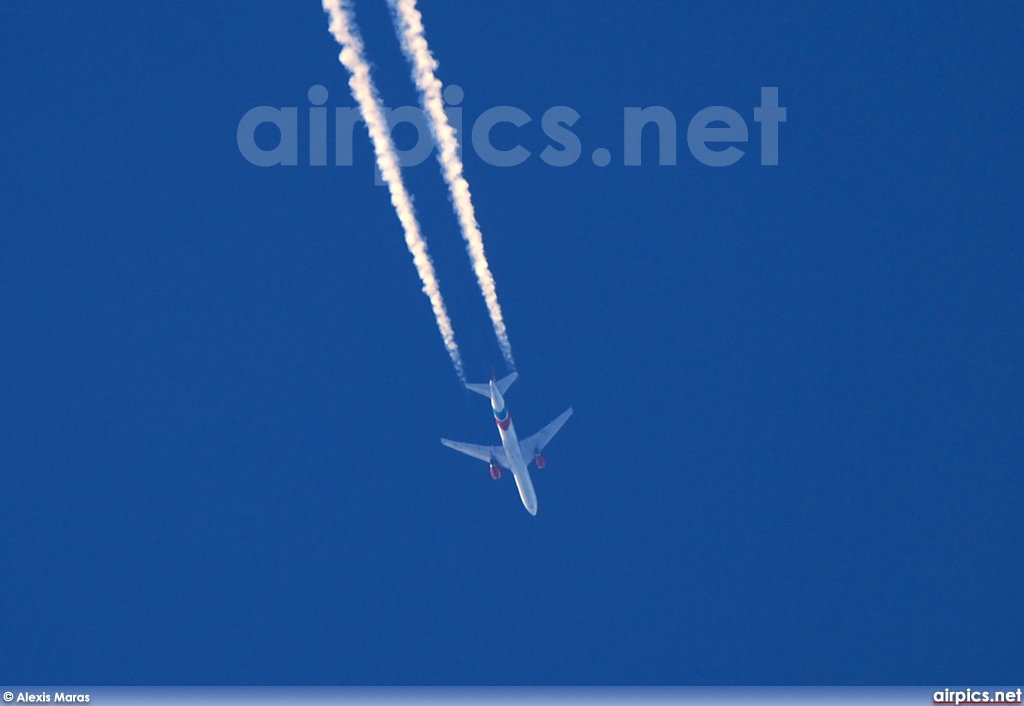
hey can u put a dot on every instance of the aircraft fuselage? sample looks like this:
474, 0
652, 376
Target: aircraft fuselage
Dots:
510, 442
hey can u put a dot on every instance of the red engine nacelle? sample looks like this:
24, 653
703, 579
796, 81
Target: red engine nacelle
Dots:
540, 461
495, 472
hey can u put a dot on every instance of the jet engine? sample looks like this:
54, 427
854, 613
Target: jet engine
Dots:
495, 471
539, 460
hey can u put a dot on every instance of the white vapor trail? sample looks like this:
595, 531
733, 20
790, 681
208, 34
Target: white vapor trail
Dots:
346, 33
409, 24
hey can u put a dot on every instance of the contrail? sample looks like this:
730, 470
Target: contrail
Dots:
346, 33
409, 24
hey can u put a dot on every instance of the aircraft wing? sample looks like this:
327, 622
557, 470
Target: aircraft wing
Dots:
484, 453
533, 445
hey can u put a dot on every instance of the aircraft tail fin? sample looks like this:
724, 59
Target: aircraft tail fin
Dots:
485, 389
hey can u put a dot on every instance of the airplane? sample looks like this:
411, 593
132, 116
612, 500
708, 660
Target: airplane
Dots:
512, 452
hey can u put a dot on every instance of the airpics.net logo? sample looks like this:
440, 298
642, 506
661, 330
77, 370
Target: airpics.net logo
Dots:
975, 696
716, 136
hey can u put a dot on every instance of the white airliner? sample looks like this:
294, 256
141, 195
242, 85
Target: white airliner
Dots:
512, 452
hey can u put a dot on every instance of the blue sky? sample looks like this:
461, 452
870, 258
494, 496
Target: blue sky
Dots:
796, 454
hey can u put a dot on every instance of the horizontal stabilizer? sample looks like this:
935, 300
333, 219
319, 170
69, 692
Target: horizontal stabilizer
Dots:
485, 388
